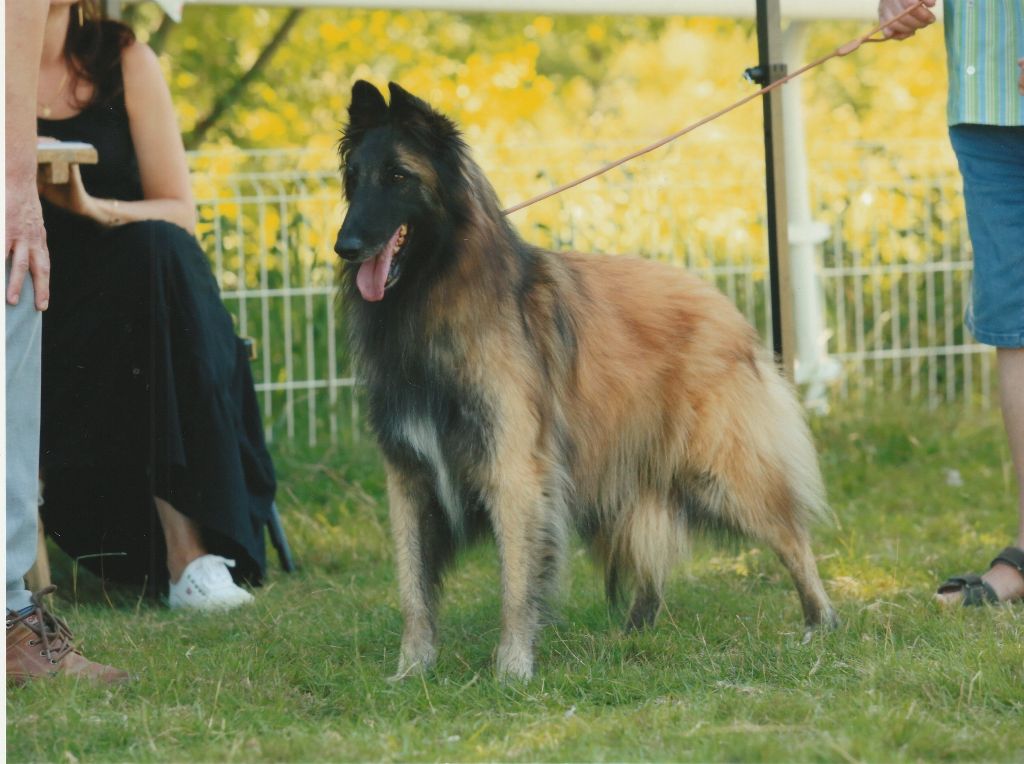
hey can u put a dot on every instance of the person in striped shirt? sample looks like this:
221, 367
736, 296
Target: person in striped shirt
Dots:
985, 61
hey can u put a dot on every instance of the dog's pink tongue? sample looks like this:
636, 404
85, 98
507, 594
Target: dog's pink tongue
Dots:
373, 274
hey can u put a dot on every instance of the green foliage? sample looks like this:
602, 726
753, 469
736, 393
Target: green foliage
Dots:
514, 80
302, 674
303, 93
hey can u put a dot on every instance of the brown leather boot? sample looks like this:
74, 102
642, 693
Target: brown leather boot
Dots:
40, 645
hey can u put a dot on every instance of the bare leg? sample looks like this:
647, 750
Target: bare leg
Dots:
1011, 385
1006, 581
184, 544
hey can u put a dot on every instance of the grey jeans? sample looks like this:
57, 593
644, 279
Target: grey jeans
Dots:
23, 348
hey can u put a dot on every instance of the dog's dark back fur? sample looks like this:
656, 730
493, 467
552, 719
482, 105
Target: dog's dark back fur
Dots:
518, 390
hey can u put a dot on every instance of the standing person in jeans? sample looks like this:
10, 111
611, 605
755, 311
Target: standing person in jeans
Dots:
985, 59
38, 643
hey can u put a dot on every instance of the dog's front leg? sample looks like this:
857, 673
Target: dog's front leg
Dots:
418, 529
520, 612
531, 547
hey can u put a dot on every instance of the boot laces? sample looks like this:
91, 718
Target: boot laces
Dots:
53, 633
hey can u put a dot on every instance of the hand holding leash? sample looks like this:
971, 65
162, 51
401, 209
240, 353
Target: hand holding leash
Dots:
902, 18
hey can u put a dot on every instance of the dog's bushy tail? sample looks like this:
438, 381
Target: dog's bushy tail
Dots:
793, 447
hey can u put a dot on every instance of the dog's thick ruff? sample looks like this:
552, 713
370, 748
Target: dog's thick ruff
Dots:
531, 393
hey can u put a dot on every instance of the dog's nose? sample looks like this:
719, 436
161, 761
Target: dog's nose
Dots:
349, 246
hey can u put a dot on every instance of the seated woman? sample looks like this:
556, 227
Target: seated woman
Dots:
153, 459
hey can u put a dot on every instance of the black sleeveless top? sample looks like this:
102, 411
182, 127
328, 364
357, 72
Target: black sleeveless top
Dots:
106, 127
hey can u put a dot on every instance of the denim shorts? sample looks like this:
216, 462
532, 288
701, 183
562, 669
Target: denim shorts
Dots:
991, 162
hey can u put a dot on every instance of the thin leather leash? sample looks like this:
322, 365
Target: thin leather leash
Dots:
843, 50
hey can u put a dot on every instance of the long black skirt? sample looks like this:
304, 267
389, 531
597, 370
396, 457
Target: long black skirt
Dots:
147, 391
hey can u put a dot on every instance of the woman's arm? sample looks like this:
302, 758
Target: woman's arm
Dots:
167, 193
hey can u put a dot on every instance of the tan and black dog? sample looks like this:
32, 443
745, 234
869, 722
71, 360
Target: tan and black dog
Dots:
530, 394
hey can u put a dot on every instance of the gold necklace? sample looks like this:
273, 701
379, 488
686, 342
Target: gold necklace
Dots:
44, 109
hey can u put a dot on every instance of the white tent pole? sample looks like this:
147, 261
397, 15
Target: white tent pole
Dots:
813, 366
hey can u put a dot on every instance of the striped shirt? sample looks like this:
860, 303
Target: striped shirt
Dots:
984, 39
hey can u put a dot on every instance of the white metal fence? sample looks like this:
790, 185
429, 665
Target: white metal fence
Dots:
894, 272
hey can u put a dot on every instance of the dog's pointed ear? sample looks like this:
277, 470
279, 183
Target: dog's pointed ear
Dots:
366, 111
418, 118
367, 108
404, 102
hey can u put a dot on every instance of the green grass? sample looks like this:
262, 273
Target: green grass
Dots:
301, 675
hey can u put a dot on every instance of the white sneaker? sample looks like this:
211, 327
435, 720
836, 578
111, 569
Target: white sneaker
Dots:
206, 585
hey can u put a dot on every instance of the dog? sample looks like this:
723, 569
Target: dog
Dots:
531, 394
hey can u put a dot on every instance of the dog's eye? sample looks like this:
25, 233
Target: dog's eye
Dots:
397, 177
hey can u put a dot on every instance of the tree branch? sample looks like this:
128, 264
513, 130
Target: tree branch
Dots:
233, 93
158, 40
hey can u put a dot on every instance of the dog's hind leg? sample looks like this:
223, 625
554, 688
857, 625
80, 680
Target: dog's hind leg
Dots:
793, 547
423, 547
645, 607
646, 544
767, 510
761, 477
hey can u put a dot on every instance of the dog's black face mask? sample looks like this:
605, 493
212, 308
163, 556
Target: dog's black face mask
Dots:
382, 195
394, 180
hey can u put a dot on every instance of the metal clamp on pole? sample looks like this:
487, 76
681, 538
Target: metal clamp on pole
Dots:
756, 74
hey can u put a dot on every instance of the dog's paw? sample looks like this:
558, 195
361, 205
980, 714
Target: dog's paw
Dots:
408, 669
414, 661
829, 622
405, 672
515, 664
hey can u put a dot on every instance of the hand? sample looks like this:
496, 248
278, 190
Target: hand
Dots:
26, 246
919, 18
72, 195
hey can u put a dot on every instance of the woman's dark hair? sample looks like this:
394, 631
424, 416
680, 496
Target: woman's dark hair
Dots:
93, 51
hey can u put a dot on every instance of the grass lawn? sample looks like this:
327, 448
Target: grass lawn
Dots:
301, 675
